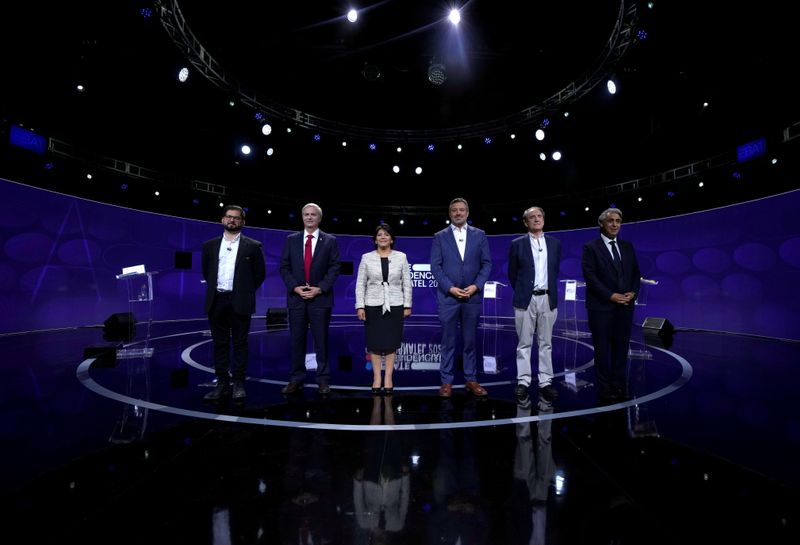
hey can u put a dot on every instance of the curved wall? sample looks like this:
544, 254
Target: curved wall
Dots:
729, 269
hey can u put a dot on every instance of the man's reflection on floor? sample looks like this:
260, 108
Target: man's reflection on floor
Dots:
308, 514
381, 486
534, 471
458, 514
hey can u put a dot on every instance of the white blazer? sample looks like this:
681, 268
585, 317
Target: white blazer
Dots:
370, 290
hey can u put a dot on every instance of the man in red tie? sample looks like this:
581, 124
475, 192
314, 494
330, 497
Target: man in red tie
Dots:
309, 268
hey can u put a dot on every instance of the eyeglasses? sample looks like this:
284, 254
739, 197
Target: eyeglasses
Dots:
237, 218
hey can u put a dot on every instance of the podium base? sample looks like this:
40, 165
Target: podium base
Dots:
129, 353
639, 354
572, 382
576, 334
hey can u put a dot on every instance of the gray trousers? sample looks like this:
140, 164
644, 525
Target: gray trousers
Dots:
538, 319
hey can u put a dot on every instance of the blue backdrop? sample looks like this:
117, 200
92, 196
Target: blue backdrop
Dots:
729, 269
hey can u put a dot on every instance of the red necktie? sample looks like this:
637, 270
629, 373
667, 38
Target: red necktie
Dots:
307, 258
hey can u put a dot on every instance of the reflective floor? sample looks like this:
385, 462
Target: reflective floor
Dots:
100, 448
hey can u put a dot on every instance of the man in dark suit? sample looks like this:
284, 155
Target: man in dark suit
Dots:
533, 263
309, 268
461, 263
233, 267
612, 277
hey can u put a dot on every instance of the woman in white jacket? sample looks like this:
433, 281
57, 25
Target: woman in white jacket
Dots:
383, 301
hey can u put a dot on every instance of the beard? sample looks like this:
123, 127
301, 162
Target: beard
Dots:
233, 228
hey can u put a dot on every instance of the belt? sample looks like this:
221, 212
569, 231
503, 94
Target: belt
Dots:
224, 291
541, 292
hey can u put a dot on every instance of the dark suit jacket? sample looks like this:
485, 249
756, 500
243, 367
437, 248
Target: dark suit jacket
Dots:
449, 270
601, 276
248, 274
324, 268
521, 271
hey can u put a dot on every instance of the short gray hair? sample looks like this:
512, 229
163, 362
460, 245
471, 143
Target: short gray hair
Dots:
527, 210
602, 217
315, 205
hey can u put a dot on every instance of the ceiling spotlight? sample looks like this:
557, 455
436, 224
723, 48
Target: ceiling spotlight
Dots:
183, 74
266, 129
352, 16
436, 73
539, 135
454, 16
611, 86
371, 72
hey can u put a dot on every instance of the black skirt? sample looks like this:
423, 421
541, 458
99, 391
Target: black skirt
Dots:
384, 331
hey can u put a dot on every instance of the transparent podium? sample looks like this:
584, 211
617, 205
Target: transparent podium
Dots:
492, 292
139, 287
574, 292
641, 301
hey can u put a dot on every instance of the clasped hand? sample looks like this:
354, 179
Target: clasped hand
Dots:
308, 292
623, 298
464, 293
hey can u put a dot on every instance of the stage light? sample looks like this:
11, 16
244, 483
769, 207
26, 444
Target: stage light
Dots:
352, 16
399, 149
431, 147
556, 156
700, 184
539, 134
245, 149
513, 136
344, 143
266, 129
396, 169
542, 156
611, 86
371, 72
641, 34
436, 73
317, 137
183, 75
270, 152
418, 170
259, 116
487, 140
454, 16
373, 147
459, 146
146, 12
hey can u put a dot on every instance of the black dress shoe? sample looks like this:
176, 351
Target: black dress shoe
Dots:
388, 391
324, 389
239, 393
222, 389
292, 388
376, 391
548, 392
521, 391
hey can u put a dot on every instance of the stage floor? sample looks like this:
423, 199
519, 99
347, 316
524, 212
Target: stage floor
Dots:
126, 450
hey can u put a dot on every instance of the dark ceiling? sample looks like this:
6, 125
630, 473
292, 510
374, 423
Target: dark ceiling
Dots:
317, 74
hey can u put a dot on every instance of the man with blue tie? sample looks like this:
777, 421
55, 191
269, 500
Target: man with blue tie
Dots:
533, 263
461, 264
309, 268
612, 277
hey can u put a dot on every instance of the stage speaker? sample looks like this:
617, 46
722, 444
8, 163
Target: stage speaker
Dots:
104, 354
345, 362
183, 260
346, 268
277, 319
120, 327
661, 326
